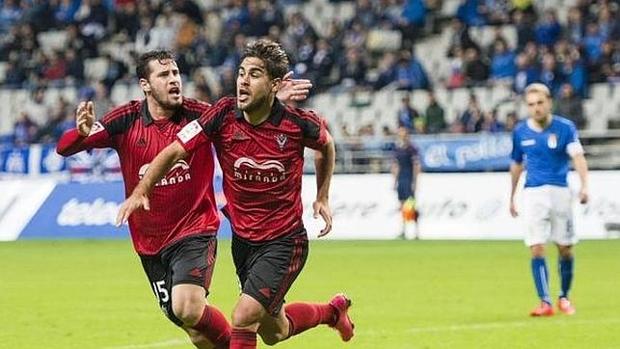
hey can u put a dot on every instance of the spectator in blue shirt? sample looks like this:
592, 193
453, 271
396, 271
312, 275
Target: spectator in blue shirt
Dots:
592, 43
548, 30
526, 73
575, 73
550, 75
407, 115
503, 62
469, 13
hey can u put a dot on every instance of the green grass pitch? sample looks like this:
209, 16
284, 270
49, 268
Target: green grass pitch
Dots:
428, 294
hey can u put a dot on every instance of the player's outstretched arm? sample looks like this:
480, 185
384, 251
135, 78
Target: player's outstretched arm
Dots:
515, 173
87, 133
324, 162
162, 163
293, 90
84, 120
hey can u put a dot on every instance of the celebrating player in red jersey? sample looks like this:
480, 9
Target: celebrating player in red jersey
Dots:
176, 238
260, 144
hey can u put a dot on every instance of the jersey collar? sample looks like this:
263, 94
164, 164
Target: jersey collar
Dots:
534, 127
275, 115
147, 119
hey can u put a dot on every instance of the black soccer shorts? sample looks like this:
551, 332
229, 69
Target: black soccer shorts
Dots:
267, 270
188, 261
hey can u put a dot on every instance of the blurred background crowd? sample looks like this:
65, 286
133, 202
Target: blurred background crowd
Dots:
346, 48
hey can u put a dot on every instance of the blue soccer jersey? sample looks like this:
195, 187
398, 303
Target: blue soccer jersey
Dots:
547, 152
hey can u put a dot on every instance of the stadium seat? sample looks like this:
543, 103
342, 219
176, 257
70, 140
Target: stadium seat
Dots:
2, 71
600, 92
95, 68
597, 121
52, 40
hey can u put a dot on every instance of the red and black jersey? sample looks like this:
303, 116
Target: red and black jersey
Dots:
262, 165
182, 203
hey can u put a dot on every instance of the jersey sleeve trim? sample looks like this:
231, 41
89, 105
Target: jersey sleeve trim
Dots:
574, 148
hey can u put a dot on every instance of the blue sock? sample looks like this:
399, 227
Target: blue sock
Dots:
566, 274
541, 278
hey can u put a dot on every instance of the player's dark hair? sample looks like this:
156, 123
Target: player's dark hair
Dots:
142, 67
271, 53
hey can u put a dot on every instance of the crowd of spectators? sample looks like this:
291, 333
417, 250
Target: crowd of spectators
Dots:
345, 54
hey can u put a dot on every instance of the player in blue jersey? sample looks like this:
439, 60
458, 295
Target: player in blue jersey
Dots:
547, 143
406, 168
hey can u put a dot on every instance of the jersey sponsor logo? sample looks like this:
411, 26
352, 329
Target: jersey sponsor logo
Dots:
189, 131
270, 171
528, 142
179, 173
552, 141
97, 127
281, 139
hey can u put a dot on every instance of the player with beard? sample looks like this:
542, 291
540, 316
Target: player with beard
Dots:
176, 238
260, 145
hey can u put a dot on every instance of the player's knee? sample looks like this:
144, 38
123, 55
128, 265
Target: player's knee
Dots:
245, 316
272, 338
188, 310
566, 252
538, 250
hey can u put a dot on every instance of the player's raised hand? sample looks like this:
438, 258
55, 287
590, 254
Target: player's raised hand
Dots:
583, 196
513, 209
293, 89
132, 203
85, 118
321, 207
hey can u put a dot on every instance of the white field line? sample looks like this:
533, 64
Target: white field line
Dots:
464, 327
494, 325
163, 344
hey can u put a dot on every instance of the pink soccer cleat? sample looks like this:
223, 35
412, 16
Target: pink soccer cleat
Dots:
565, 306
544, 309
343, 323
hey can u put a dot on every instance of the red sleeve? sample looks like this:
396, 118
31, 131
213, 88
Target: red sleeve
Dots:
206, 127
103, 133
192, 136
71, 142
317, 135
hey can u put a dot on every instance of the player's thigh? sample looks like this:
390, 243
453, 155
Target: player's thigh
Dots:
562, 219
272, 269
192, 261
242, 253
537, 215
160, 279
404, 189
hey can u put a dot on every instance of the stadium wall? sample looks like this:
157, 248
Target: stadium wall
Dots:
452, 206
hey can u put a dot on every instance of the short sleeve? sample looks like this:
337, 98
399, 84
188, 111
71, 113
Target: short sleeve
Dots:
573, 147
192, 136
315, 132
517, 152
203, 129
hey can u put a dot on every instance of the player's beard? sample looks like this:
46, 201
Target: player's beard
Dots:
166, 101
253, 104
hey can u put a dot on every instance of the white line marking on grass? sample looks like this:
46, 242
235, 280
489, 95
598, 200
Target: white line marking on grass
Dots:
487, 326
512, 324
164, 344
